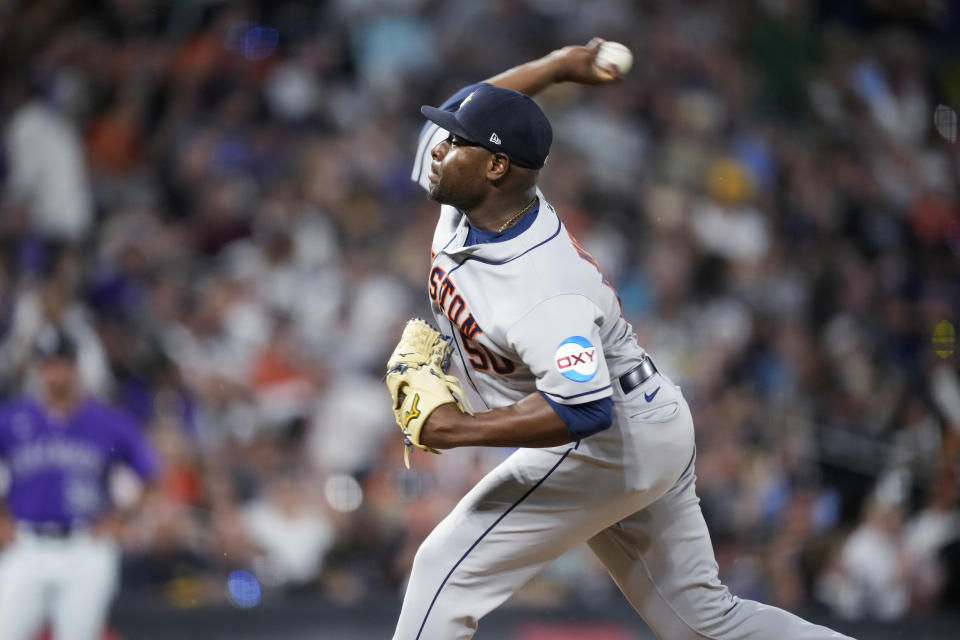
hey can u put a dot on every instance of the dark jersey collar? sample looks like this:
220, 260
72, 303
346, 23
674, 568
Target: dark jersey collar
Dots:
481, 236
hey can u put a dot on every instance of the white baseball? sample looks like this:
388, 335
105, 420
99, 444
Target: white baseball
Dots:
614, 54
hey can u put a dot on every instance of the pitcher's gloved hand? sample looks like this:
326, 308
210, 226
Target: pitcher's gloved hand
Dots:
418, 381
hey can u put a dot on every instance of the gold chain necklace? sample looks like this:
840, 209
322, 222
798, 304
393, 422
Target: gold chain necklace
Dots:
515, 217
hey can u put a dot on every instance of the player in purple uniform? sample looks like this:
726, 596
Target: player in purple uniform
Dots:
59, 449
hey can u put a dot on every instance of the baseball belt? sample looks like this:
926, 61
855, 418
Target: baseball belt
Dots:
57, 530
637, 376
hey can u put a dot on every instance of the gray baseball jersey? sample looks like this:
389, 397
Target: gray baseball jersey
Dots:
564, 334
532, 312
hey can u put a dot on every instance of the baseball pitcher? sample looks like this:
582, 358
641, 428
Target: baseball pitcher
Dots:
606, 444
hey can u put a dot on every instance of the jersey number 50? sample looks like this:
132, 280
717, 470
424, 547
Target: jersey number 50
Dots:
482, 359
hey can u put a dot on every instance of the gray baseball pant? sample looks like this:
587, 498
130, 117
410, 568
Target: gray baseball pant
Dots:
629, 493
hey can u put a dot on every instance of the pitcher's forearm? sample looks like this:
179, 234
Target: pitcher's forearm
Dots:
532, 77
531, 422
569, 64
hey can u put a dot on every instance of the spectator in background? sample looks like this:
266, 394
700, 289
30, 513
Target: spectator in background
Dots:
926, 534
47, 171
53, 301
288, 524
282, 378
871, 577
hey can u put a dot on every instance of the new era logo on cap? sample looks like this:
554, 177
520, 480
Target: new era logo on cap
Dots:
494, 138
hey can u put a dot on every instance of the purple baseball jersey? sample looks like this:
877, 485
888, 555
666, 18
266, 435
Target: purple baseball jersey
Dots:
59, 468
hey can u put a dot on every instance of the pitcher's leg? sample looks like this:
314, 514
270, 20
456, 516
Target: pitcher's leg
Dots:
525, 513
662, 560
453, 582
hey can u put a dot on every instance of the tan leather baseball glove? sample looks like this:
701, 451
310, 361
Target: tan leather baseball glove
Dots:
418, 381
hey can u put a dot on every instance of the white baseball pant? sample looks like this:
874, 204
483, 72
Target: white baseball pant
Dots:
629, 492
67, 581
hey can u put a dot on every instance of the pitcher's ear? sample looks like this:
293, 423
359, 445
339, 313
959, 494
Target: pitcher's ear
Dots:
499, 164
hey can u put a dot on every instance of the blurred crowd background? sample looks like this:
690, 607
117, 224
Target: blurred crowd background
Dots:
214, 200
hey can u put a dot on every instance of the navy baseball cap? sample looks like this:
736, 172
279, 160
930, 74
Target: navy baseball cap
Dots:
502, 121
53, 343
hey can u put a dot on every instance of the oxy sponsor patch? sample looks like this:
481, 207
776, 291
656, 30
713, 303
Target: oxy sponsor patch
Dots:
576, 359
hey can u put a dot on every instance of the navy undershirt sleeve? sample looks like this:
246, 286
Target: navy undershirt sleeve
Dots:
584, 419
